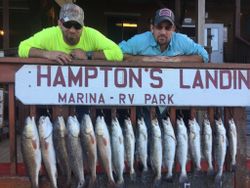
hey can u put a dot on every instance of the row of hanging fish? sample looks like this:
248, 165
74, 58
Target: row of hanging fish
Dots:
71, 144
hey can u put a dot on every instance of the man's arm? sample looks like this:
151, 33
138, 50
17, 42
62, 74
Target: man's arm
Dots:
80, 54
185, 58
60, 57
188, 58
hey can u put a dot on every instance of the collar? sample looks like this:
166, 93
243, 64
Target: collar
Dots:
152, 41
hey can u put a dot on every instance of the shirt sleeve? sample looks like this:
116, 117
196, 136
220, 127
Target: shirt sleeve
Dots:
129, 46
193, 48
110, 49
39, 40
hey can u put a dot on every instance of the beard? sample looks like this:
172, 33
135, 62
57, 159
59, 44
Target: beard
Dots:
71, 40
162, 40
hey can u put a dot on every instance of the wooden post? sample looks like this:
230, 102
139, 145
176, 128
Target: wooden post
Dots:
12, 131
133, 115
60, 111
6, 17
200, 26
173, 116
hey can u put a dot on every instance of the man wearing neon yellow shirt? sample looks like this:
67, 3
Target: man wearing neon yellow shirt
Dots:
70, 40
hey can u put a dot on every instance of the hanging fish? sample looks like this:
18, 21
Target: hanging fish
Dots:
30, 147
104, 147
48, 151
208, 145
75, 150
156, 151
169, 147
142, 144
232, 143
182, 149
220, 148
88, 140
195, 143
59, 138
129, 140
118, 153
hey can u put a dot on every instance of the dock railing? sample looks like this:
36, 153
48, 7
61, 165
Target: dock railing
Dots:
229, 71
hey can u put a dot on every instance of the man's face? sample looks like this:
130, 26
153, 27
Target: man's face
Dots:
71, 31
163, 32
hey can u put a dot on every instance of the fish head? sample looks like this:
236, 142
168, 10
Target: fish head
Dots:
44, 127
154, 122
115, 125
86, 124
141, 123
219, 127
29, 127
206, 125
166, 124
59, 126
156, 131
180, 125
73, 126
231, 124
206, 122
99, 125
193, 125
180, 122
127, 122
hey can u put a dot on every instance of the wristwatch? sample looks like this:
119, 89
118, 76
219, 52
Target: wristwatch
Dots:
89, 55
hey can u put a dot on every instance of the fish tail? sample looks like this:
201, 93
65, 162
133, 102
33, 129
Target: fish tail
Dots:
169, 178
132, 176
111, 183
92, 182
210, 171
234, 168
183, 178
157, 182
218, 181
197, 172
120, 182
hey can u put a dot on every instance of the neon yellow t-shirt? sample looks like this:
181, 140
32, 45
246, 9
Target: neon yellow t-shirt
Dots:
51, 39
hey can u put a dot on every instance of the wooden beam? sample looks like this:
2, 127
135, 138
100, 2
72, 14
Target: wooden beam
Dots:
12, 130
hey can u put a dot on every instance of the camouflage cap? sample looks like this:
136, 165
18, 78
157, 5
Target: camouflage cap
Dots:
164, 14
71, 12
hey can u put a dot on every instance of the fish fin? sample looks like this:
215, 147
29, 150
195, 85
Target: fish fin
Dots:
192, 135
34, 145
92, 139
105, 141
120, 140
145, 136
46, 145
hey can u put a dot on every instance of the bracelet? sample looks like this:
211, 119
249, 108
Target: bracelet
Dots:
89, 55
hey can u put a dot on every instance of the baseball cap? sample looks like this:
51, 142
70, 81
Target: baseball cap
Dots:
164, 14
71, 12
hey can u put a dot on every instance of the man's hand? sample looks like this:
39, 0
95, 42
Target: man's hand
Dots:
60, 57
78, 54
173, 59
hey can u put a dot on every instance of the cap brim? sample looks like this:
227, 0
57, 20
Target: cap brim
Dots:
163, 19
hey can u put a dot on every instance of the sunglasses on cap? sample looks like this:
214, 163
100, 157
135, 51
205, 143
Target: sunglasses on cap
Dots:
71, 24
